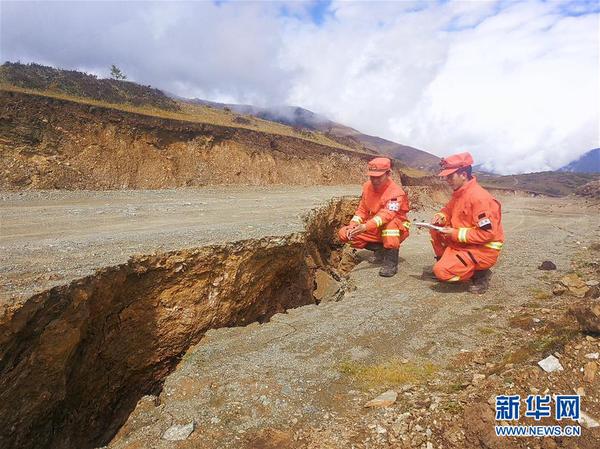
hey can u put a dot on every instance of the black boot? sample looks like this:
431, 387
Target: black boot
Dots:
377, 257
428, 274
480, 281
390, 263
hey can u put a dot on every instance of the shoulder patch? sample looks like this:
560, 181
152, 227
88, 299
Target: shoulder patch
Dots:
393, 205
485, 223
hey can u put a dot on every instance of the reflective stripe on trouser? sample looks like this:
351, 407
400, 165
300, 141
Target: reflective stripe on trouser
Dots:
391, 236
458, 264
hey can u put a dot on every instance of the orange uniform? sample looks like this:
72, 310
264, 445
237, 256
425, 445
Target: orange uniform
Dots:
477, 238
384, 213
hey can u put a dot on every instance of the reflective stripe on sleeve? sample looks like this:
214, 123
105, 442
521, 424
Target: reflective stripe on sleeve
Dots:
407, 224
494, 245
357, 219
378, 221
390, 233
462, 235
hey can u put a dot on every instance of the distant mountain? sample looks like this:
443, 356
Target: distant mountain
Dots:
588, 163
552, 183
303, 118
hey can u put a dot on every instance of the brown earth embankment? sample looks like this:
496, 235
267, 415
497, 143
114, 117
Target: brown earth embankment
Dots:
51, 143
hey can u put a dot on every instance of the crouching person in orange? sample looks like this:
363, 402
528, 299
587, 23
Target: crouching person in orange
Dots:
472, 237
379, 224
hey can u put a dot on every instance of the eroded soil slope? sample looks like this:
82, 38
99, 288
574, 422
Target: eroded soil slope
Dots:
51, 143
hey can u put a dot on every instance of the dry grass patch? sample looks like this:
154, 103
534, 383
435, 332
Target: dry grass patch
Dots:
540, 294
392, 372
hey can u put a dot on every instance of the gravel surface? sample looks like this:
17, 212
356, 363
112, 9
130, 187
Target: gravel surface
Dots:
49, 238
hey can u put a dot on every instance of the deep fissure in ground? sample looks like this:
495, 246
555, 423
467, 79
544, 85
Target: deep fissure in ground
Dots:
75, 359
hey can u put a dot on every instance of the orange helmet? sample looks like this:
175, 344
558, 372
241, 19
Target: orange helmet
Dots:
452, 163
379, 166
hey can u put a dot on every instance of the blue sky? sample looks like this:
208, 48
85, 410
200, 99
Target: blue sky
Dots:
514, 82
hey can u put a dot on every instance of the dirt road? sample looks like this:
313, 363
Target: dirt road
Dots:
50, 238
301, 380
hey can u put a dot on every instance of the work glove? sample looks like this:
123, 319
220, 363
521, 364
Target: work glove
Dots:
438, 219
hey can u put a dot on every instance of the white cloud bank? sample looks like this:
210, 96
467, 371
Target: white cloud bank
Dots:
515, 83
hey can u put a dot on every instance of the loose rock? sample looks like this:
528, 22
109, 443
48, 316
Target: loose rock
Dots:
478, 378
587, 421
547, 265
550, 364
575, 285
589, 372
179, 432
558, 289
383, 400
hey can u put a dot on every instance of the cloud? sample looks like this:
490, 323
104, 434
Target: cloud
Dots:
218, 51
516, 83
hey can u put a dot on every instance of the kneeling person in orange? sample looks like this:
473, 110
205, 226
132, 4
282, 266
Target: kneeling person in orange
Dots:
472, 237
379, 224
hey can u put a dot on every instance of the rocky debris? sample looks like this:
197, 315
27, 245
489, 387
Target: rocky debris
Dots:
383, 400
587, 421
588, 316
179, 432
550, 364
593, 355
575, 285
547, 265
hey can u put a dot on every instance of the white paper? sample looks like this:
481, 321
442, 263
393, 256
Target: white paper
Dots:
428, 225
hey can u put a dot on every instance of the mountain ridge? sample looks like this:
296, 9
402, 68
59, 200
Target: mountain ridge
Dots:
588, 162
